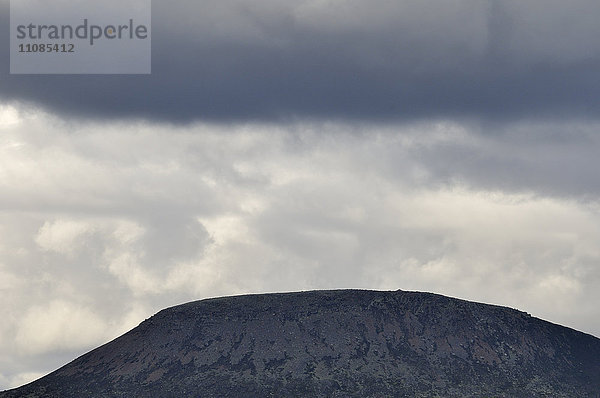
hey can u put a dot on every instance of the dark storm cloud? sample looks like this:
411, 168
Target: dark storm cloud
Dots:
376, 60
553, 159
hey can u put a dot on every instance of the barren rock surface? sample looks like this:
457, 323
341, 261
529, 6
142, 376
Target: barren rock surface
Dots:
346, 343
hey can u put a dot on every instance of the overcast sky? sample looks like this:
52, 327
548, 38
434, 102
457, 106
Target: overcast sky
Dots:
450, 147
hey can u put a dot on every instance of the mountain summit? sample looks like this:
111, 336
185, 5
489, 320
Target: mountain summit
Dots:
344, 343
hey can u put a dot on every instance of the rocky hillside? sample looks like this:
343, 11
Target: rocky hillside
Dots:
346, 343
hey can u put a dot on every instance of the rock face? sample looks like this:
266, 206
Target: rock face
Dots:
346, 343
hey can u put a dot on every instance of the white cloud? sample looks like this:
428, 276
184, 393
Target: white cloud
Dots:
9, 281
128, 232
9, 116
62, 236
127, 269
517, 250
59, 325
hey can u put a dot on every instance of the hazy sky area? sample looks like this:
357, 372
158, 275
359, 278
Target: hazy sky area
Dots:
450, 147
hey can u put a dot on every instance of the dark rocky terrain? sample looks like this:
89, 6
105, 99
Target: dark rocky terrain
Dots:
346, 343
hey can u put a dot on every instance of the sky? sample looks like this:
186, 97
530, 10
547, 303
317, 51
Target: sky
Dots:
449, 147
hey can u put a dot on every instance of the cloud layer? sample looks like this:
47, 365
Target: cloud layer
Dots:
349, 59
285, 145
103, 224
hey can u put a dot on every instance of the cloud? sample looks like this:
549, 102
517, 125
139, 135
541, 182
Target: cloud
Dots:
8, 116
285, 145
62, 236
223, 61
105, 223
59, 325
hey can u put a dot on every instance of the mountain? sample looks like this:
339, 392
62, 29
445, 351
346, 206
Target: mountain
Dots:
345, 343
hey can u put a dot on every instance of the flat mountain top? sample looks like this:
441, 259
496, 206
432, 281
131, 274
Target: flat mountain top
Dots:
342, 343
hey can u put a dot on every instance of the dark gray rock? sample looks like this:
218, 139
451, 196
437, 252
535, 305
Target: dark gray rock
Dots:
346, 343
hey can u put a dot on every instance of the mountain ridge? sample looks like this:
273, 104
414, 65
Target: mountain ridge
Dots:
334, 343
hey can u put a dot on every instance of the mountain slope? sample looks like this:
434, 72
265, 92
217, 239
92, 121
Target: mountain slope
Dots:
347, 343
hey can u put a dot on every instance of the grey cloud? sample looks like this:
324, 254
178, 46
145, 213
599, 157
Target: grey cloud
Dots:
379, 60
551, 158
